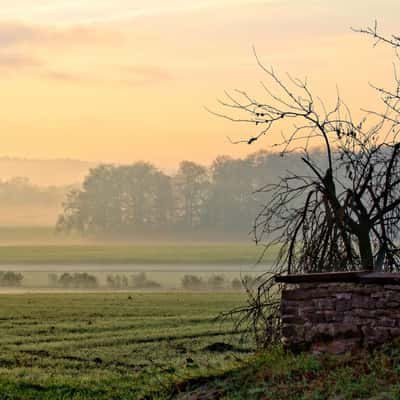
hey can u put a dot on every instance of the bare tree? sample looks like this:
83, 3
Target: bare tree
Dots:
344, 214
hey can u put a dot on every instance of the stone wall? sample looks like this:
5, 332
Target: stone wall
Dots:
338, 317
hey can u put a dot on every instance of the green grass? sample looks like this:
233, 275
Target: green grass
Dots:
276, 375
109, 346
234, 254
154, 346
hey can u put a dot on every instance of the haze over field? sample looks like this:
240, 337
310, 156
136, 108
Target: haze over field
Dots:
127, 80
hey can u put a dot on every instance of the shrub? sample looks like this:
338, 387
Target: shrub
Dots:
77, 281
237, 284
249, 281
216, 282
140, 281
117, 281
65, 280
85, 281
10, 279
192, 282
52, 279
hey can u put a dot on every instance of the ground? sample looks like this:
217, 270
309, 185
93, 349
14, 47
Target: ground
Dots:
166, 346
108, 345
277, 375
128, 254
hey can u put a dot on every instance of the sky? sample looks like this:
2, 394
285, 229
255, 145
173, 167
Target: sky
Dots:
128, 80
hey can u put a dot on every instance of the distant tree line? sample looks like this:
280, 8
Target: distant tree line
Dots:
10, 279
141, 199
80, 280
20, 191
139, 281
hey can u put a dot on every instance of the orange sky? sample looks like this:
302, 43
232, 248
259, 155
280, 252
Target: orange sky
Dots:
127, 80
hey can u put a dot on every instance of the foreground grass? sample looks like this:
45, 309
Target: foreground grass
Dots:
234, 254
276, 375
109, 346
157, 346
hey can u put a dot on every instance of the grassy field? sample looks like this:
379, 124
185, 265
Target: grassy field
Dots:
152, 346
47, 235
227, 254
110, 346
278, 375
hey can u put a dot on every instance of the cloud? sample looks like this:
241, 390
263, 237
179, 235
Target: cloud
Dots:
69, 12
17, 61
146, 73
14, 34
140, 75
26, 47
66, 77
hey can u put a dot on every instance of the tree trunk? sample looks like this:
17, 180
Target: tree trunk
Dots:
367, 258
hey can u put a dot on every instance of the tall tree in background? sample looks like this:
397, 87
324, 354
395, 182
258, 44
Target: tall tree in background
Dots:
192, 184
117, 200
230, 205
139, 199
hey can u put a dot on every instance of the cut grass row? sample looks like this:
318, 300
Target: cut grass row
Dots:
109, 345
227, 254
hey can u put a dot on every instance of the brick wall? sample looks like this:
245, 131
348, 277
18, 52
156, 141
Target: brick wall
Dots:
338, 317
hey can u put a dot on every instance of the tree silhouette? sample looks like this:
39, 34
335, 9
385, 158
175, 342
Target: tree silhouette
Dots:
344, 212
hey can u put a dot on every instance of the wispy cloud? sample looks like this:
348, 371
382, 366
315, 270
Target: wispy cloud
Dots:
127, 76
103, 11
15, 62
146, 74
12, 34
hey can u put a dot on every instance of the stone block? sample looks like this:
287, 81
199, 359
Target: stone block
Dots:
295, 294
333, 316
292, 331
339, 346
357, 321
290, 319
390, 313
386, 322
380, 303
392, 287
343, 305
393, 296
316, 317
375, 335
363, 313
362, 301
344, 330
324, 304
289, 307
343, 296
392, 304
362, 290
394, 332
378, 294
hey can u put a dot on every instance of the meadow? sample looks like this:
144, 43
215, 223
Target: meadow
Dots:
228, 254
111, 345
